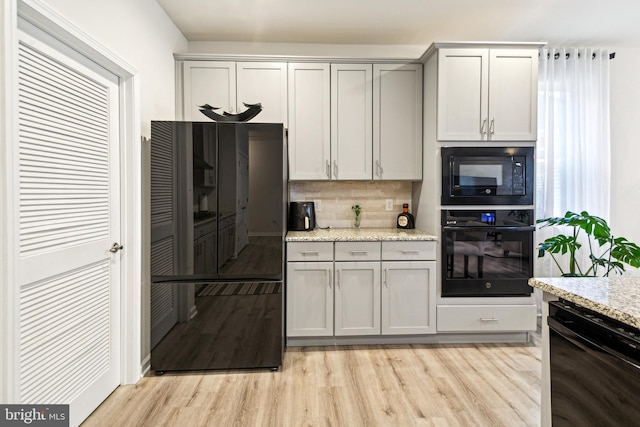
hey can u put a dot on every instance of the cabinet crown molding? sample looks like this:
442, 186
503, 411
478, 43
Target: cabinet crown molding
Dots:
492, 45
290, 58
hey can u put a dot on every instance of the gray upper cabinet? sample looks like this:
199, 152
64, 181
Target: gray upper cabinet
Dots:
229, 85
351, 121
487, 94
207, 82
265, 83
309, 121
397, 121
346, 121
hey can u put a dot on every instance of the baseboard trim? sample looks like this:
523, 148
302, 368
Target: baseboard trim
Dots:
448, 338
145, 367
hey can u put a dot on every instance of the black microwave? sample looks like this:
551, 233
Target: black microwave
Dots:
487, 175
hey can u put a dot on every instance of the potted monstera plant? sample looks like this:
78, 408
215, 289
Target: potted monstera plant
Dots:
610, 254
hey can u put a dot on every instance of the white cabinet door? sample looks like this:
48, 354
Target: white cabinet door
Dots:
351, 121
463, 89
357, 298
208, 82
265, 83
513, 83
408, 297
487, 94
397, 121
309, 121
309, 299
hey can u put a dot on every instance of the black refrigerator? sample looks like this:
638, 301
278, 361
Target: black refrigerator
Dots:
218, 209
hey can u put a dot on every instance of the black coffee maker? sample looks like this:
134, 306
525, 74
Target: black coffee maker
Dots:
302, 216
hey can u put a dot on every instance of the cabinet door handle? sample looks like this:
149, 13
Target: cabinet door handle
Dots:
309, 252
328, 169
359, 252
483, 131
384, 277
379, 169
492, 127
410, 251
335, 169
338, 278
329, 277
488, 319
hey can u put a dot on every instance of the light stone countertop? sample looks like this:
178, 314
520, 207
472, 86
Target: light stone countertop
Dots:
358, 235
615, 297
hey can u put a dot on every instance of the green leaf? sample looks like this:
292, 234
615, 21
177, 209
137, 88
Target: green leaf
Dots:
559, 244
626, 251
619, 252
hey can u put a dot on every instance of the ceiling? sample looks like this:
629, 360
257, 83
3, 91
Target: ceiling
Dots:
584, 23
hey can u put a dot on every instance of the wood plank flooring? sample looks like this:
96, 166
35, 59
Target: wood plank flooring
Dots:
401, 385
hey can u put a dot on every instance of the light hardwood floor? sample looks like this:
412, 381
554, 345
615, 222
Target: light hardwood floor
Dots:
401, 385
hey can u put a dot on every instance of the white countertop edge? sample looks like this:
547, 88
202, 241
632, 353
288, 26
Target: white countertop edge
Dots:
617, 303
359, 235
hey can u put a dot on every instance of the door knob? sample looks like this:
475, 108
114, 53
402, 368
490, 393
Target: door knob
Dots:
116, 247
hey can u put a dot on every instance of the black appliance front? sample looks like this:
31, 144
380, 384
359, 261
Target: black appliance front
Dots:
487, 175
302, 216
487, 253
594, 368
218, 220
238, 325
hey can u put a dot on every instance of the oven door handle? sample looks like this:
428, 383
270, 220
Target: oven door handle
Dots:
586, 343
489, 228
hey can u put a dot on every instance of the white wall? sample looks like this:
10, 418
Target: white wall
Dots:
625, 144
141, 34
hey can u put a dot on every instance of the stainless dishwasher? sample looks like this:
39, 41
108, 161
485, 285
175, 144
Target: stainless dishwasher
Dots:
594, 368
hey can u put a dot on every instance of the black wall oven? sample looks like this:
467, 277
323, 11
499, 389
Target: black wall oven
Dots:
594, 368
487, 252
487, 175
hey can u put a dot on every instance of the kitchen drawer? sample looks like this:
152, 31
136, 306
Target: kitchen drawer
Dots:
409, 250
203, 228
357, 251
489, 318
310, 251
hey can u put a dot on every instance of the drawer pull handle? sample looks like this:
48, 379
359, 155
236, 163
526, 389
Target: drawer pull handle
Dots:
410, 251
359, 252
309, 252
488, 319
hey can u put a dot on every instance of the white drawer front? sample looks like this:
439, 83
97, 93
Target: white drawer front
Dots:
409, 250
488, 318
310, 251
357, 251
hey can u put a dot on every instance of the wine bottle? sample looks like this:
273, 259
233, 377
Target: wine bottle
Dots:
405, 219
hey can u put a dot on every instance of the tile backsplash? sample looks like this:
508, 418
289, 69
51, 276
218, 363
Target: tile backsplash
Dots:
334, 199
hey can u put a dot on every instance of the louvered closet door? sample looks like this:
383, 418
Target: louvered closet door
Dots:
68, 212
164, 250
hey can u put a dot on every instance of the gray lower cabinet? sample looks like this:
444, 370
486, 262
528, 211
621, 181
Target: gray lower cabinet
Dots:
360, 289
227, 239
204, 248
408, 297
357, 289
310, 299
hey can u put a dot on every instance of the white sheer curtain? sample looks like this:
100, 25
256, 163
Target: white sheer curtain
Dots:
573, 151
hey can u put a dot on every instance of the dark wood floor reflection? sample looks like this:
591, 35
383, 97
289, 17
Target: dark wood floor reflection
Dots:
237, 325
263, 255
